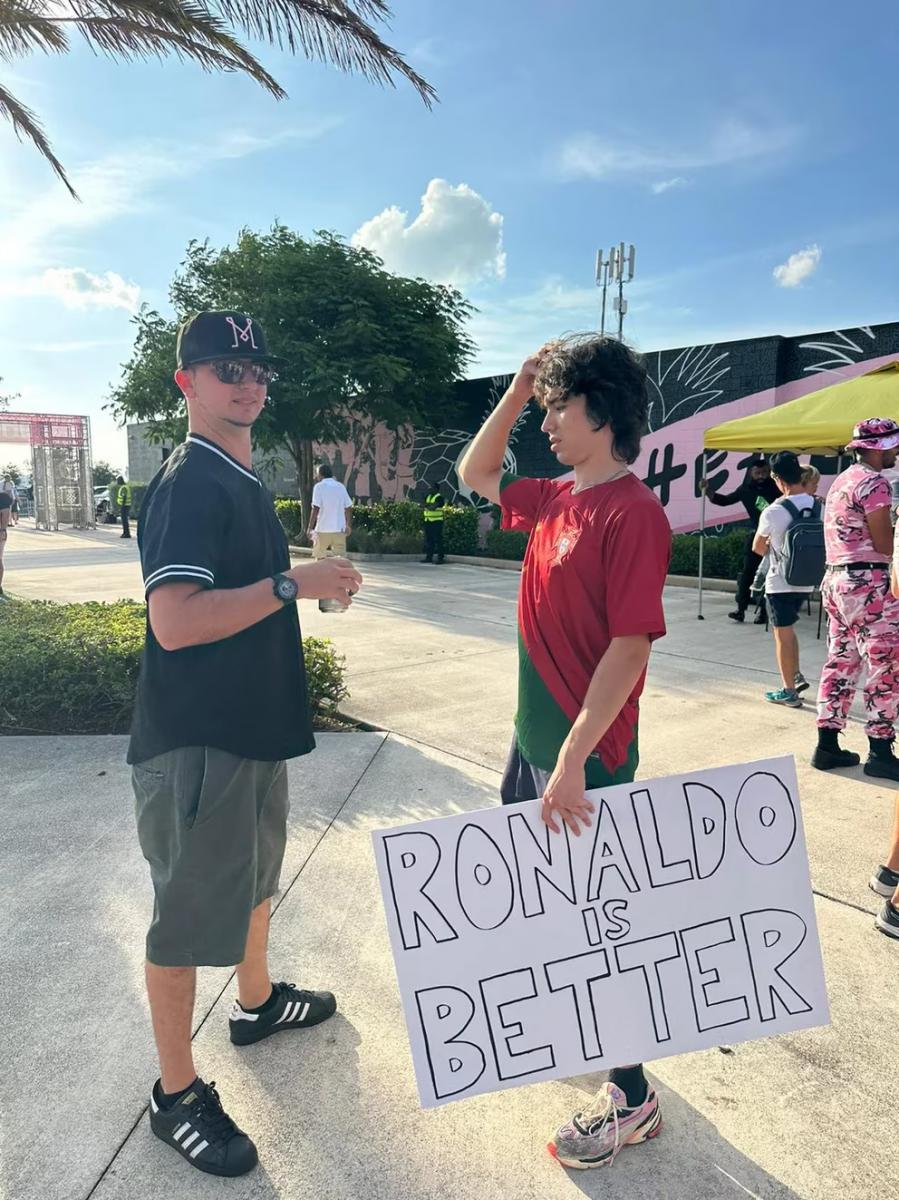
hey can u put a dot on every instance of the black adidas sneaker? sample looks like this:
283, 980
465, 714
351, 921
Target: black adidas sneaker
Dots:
202, 1132
293, 1009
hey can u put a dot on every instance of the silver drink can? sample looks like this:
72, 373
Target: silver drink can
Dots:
333, 606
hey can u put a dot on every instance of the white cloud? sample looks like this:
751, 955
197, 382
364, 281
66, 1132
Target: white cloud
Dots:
455, 237
588, 156
799, 266
667, 185
80, 289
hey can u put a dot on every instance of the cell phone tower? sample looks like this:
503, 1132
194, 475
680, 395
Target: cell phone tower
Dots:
617, 268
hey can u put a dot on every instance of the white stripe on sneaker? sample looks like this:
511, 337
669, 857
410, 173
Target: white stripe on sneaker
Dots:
302, 1016
196, 1150
153, 1105
180, 1132
285, 1016
191, 1138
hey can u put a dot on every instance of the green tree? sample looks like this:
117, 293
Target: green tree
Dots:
7, 398
103, 474
13, 472
358, 340
203, 32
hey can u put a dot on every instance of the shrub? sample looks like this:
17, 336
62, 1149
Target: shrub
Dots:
722, 556
389, 517
460, 530
506, 543
290, 514
72, 668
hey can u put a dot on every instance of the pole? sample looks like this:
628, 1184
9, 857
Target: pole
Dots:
705, 468
620, 307
605, 284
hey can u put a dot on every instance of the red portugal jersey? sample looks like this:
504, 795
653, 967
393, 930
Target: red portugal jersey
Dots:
594, 570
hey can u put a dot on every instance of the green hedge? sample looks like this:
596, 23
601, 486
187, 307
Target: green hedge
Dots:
506, 543
722, 557
72, 668
290, 514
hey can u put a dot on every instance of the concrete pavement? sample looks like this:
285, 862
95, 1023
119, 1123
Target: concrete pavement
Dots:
431, 657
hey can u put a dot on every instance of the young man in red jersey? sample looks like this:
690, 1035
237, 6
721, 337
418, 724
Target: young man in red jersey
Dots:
590, 607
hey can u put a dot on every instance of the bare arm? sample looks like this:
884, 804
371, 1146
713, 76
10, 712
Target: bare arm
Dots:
348, 518
881, 530
760, 545
313, 520
482, 466
613, 681
181, 614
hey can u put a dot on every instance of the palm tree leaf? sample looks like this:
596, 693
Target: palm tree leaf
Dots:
25, 125
329, 30
132, 29
23, 30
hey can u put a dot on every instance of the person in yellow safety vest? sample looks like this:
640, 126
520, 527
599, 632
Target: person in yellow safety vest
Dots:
123, 499
433, 518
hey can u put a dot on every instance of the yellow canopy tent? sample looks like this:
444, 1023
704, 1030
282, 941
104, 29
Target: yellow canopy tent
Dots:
819, 423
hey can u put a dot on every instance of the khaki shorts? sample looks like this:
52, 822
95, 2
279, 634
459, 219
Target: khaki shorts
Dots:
329, 543
213, 828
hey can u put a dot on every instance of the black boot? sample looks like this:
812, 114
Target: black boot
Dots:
882, 762
828, 753
761, 616
738, 615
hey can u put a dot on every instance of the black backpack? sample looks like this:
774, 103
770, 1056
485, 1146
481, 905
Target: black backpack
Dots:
803, 557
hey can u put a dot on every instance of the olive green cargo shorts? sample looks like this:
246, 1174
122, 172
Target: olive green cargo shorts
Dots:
213, 828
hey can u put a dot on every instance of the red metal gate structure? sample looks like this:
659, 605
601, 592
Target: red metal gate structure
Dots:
61, 465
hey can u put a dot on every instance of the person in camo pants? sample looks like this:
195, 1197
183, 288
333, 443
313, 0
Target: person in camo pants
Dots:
863, 615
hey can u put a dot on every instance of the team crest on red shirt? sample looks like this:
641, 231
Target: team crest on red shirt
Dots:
566, 543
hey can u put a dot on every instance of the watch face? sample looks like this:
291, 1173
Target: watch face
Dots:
287, 589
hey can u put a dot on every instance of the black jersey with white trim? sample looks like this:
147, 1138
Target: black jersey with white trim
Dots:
207, 520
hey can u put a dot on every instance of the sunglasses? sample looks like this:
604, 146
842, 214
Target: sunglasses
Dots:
228, 370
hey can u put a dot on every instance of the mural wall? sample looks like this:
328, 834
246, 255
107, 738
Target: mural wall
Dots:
691, 389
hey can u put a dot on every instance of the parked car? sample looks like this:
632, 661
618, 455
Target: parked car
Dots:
102, 506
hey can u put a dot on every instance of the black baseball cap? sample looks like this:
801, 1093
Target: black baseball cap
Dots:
212, 335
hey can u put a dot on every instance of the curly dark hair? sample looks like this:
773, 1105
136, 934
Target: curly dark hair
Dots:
612, 379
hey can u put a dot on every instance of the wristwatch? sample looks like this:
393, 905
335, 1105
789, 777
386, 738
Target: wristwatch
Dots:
285, 588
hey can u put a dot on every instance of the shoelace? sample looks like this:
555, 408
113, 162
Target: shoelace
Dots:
295, 992
219, 1126
600, 1110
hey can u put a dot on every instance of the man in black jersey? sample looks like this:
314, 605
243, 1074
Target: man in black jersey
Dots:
221, 704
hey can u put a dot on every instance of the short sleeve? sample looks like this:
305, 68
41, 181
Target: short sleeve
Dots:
637, 555
182, 533
764, 529
874, 493
521, 501
317, 495
347, 498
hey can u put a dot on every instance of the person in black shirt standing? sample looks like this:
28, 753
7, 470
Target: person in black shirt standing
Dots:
755, 493
221, 703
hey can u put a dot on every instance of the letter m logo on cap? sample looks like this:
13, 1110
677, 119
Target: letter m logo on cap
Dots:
242, 335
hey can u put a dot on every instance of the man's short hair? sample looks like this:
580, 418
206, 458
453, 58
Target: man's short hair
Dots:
785, 465
612, 379
324, 469
810, 474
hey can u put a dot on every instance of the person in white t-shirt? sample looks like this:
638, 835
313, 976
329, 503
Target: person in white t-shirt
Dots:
332, 515
783, 600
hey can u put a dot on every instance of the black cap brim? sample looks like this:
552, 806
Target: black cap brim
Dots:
270, 360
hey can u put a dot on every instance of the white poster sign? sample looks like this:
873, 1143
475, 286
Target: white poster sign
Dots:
682, 919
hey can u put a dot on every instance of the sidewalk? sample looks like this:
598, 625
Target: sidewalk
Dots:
431, 656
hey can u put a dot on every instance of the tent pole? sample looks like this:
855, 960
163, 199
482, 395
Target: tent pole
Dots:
705, 469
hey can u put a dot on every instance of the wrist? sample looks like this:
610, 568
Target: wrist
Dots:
573, 756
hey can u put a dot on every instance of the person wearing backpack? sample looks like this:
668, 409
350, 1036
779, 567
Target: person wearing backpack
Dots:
791, 533
863, 632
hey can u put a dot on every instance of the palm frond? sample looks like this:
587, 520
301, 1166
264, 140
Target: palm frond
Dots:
185, 29
329, 30
25, 125
23, 29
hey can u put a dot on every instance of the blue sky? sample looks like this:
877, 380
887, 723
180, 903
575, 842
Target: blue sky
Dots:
725, 141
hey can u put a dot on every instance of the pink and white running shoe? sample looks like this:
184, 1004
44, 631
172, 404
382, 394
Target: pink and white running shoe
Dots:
594, 1136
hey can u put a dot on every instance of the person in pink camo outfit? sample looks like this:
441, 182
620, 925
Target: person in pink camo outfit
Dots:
863, 615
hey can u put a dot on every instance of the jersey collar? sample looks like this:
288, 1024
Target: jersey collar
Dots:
198, 440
